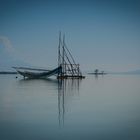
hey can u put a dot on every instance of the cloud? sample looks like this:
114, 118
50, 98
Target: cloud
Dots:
11, 52
6, 42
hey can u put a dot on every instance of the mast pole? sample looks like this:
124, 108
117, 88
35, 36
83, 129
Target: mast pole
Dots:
59, 59
59, 53
63, 55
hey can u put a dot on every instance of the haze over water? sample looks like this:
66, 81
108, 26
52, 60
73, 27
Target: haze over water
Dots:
104, 107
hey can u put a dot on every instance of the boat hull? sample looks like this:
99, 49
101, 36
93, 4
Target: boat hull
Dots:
29, 74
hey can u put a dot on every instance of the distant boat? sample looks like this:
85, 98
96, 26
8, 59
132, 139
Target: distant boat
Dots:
96, 72
99, 73
67, 68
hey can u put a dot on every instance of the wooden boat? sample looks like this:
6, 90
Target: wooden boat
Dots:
67, 68
100, 73
25, 72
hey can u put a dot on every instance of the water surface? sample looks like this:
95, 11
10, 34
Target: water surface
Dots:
96, 108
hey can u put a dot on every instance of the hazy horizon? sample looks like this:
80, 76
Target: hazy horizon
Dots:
100, 34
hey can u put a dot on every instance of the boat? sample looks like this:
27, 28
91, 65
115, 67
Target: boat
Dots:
100, 73
32, 74
96, 72
67, 68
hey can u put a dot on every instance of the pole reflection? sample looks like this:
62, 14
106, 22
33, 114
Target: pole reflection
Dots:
66, 89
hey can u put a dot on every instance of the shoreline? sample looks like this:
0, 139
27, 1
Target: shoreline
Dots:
7, 72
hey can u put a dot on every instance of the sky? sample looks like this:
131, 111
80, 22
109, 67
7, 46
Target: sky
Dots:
103, 34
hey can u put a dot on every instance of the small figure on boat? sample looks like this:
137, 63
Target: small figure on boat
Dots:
96, 71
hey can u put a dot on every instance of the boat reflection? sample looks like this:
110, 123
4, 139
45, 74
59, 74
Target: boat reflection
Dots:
67, 88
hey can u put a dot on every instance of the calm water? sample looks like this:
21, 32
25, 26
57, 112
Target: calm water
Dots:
96, 108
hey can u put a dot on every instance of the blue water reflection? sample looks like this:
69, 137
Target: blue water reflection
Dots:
104, 107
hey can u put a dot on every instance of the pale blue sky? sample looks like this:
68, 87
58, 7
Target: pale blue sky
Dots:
102, 34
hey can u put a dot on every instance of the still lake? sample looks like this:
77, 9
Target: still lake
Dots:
95, 108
